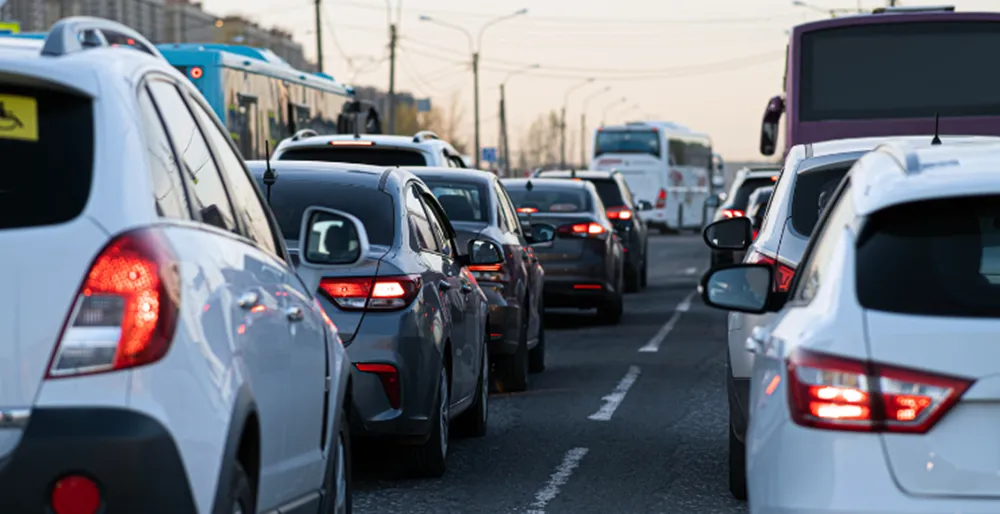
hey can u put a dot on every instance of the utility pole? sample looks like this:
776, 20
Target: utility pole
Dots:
583, 139
562, 138
392, 78
892, 3
503, 132
319, 39
475, 89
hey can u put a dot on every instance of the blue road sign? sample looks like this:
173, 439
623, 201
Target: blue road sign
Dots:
490, 154
423, 105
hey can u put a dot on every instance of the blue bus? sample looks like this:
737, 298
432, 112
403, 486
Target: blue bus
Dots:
259, 97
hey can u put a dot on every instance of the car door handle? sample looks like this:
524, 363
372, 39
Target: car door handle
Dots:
444, 285
467, 288
248, 299
295, 313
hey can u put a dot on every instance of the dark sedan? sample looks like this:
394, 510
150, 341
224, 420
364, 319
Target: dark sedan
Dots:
478, 206
585, 262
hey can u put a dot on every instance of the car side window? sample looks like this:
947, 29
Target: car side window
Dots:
208, 194
437, 225
168, 187
247, 201
420, 226
507, 208
817, 261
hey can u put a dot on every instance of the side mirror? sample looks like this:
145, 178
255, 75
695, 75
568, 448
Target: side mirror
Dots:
543, 233
729, 234
644, 205
484, 252
769, 125
740, 287
529, 234
329, 239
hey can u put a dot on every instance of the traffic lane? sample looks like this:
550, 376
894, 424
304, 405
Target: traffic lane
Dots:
536, 435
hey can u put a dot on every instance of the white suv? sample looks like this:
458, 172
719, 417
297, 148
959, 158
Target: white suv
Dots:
158, 354
420, 150
876, 386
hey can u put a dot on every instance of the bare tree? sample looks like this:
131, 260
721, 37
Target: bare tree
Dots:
540, 146
448, 123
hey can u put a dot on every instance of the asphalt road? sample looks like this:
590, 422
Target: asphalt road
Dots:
606, 428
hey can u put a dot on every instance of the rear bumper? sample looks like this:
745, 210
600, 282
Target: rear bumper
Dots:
562, 292
131, 457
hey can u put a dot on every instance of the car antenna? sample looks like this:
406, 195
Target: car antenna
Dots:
270, 177
937, 121
572, 173
529, 186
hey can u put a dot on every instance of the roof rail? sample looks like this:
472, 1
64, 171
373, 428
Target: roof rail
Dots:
303, 134
913, 9
424, 134
78, 33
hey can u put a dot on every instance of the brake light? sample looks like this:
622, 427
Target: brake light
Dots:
75, 494
733, 213
389, 376
382, 293
488, 272
582, 230
619, 213
837, 393
125, 313
661, 199
527, 210
351, 143
755, 232
783, 274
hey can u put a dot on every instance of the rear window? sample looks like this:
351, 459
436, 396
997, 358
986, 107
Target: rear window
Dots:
290, 199
937, 258
628, 141
812, 191
748, 186
550, 199
462, 201
610, 192
368, 155
47, 145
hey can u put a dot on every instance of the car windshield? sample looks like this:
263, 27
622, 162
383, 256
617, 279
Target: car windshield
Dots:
628, 141
290, 198
357, 155
462, 201
549, 199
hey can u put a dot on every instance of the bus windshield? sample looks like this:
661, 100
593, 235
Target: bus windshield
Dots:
628, 141
899, 70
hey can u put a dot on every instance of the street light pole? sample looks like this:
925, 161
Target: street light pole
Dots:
474, 46
562, 121
504, 142
583, 123
393, 36
611, 105
319, 40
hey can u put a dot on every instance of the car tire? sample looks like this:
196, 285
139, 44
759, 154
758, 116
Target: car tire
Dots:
428, 460
633, 282
337, 488
644, 278
473, 422
737, 466
536, 357
241, 492
513, 369
611, 312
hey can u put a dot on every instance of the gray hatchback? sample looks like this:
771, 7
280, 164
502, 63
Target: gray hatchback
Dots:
409, 311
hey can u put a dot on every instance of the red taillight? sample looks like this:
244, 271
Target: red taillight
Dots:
75, 494
126, 310
845, 394
582, 230
755, 232
587, 286
619, 213
733, 213
389, 376
382, 293
661, 199
527, 210
783, 274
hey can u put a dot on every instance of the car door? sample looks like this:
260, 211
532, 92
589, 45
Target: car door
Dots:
428, 251
465, 341
522, 260
306, 337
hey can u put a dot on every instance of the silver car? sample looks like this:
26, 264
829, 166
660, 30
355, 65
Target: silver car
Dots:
411, 314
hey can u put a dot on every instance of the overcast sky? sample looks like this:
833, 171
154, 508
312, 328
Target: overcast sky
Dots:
708, 64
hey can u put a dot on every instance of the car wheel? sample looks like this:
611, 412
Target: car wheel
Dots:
536, 357
737, 466
337, 490
473, 422
513, 369
241, 494
611, 312
644, 279
428, 459
633, 282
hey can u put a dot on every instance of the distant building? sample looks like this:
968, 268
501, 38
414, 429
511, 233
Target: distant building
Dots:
29, 13
145, 16
239, 30
185, 21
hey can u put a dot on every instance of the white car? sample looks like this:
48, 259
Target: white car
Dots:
810, 173
420, 150
158, 353
876, 387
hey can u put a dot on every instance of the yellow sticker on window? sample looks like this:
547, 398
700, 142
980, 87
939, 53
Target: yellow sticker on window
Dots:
18, 118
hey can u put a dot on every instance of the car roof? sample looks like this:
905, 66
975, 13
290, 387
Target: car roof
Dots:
898, 173
379, 140
467, 175
835, 146
549, 183
582, 174
336, 172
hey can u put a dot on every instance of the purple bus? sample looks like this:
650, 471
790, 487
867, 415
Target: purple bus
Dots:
888, 73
